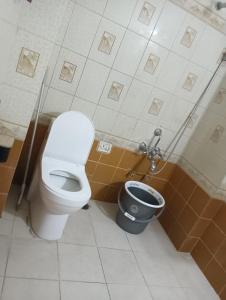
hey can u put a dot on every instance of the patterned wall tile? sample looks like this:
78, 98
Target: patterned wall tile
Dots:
217, 134
146, 13
27, 62
67, 72
115, 91
107, 42
220, 97
152, 63
190, 81
156, 107
188, 37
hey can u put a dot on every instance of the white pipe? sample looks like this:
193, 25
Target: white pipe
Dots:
23, 186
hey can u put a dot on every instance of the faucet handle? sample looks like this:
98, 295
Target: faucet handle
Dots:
143, 147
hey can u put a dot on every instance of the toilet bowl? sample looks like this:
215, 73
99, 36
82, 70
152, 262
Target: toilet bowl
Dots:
59, 185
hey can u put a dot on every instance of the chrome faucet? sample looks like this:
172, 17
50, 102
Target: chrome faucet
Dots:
153, 152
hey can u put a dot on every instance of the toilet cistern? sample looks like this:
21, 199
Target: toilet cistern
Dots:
60, 186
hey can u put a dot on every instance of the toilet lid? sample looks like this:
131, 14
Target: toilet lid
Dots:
71, 137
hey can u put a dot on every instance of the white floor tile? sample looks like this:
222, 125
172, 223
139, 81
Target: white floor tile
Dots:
201, 293
6, 226
33, 259
156, 269
4, 249
80, 263
120, 267
167, 293
9, 211
79, 229
21, 229
1, 283
30, 289
83, 291
131, 292
187, 272
107, 232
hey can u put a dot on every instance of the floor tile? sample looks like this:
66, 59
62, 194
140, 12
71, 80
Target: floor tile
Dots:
187, 272
33, 259
80, 263
21, 229
156, 269
108, 233
79, 229
201, 293
6, 226
1, 283
167, 293
30, 289
9, 211
4, 249
131, 292
84, 291
120, 267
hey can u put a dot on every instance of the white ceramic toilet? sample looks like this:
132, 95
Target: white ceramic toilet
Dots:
60, 186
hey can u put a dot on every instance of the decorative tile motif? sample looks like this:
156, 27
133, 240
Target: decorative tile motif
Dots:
220, 96
27, 62
190, 81
203, 13
146, 13
107, 42
67, 72
217, 134
155, 107
115, 91
188, 37
152, 63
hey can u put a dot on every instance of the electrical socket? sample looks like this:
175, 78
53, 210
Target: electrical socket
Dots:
104, 147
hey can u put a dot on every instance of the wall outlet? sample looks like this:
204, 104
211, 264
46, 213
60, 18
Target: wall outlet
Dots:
104, 147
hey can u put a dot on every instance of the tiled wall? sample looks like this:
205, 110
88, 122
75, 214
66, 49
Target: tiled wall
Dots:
130, 68
195, 223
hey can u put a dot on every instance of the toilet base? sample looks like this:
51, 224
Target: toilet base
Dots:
46, 225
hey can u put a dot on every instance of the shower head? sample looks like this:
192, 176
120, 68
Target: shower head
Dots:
223, 58
220, 5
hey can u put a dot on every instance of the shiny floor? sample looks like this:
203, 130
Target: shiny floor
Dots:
94, 260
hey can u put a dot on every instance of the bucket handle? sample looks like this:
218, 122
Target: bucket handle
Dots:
132, 218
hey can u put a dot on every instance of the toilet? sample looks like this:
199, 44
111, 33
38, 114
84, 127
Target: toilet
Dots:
59, 185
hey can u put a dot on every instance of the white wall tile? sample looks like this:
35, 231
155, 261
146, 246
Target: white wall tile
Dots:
171, 72
209, 48
96, 5
70, 57
128, 61
12, 111
137, 97
124, 126
120, 11
52, 64
164, 98
104, 119
167, 26
152, 63
112, 101
87, 108
10, 10
116, 32
92, 82
65, 22
57, 102
81, 30
143, 23
143, 132
191, 30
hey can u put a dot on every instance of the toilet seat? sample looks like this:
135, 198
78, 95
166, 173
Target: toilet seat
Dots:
65, 197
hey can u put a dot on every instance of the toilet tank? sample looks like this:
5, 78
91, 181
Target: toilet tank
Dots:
70, 138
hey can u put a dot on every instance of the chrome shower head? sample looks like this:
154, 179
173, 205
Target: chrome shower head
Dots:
223, 58
158, 132
220, 5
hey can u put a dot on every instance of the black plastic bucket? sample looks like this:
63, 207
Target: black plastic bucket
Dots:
138, 203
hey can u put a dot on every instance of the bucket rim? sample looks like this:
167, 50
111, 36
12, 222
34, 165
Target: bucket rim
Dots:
146, 188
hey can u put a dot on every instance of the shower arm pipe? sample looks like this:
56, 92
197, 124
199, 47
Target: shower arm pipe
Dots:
23, 186
184, 125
